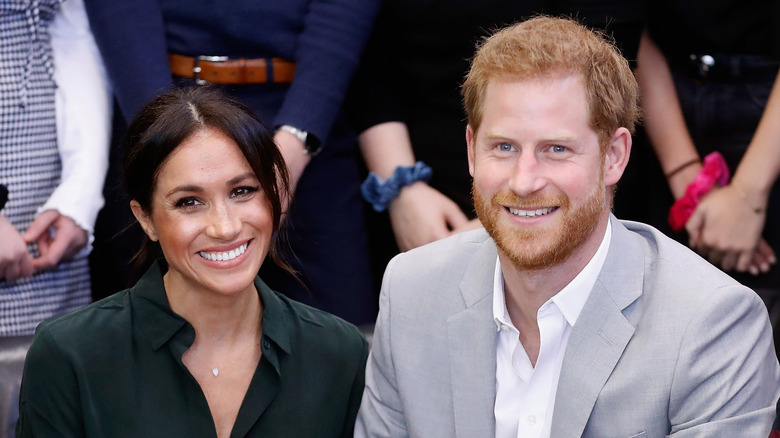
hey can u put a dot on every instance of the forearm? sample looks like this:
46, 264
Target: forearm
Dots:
760, 166
664, 120
419, 214
385, 147
328, 52
83, 108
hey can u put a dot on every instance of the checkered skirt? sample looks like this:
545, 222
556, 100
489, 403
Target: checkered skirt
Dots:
30, 163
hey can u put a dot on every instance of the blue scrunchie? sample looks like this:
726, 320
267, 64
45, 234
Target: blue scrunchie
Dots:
379, 193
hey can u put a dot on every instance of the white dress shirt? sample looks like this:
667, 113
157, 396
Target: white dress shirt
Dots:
84, 111
525, 395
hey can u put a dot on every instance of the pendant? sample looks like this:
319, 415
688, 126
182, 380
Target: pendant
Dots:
215, 371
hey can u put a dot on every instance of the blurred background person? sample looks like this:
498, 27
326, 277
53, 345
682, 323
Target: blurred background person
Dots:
54, 125
708, 72
54, 140
291, 62
200, 346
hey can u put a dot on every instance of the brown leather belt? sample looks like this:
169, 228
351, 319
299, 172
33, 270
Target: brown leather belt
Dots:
221, 70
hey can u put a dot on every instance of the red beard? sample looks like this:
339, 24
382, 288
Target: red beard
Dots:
539, 248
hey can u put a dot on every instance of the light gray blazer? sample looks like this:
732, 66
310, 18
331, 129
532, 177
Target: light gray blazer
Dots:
665, 345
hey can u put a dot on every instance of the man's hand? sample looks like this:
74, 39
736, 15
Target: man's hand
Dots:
421, 214
67, 241
725, 229
15, 258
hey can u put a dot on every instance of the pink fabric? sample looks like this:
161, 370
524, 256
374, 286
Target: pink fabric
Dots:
714, 171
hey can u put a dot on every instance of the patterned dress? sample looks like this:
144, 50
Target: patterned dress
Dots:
30, 163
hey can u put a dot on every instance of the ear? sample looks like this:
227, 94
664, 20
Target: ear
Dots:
470, 140
616, 157
143, 218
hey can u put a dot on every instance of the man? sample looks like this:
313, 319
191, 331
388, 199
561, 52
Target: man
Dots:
560, 320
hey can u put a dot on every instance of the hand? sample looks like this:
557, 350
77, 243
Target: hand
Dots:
421, 214
470, 225
294, 157
725, 229
763, 258
15, 258
68, 239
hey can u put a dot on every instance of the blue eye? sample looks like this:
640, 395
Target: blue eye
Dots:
557, 148
506, 147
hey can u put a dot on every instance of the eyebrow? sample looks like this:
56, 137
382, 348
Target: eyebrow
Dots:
242, 177
195, 188
545, 139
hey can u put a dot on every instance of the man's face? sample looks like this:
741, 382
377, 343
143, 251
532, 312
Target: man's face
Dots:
539, 172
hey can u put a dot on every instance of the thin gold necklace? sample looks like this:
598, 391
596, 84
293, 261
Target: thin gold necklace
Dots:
256, 342
215, 370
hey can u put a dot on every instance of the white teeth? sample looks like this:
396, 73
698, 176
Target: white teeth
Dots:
224, 256
530, 213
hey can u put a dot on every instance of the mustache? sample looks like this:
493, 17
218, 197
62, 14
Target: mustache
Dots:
533, 201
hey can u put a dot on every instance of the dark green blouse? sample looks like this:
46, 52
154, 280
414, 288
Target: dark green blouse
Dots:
114, 369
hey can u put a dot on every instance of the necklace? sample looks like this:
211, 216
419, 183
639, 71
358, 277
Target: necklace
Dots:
255, 342
215, 370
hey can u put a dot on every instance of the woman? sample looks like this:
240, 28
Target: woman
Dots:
199, 347
321, 40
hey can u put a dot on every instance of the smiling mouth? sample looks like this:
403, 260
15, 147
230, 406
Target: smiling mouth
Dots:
531, 213
225, 255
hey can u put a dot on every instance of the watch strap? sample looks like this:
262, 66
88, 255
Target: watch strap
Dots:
312, 145
3, 196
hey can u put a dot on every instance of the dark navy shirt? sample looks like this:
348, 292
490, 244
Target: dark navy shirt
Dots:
325, 39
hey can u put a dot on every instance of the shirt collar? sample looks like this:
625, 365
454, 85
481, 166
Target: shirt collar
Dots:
570, 300
151, 309
160, 323
276, 317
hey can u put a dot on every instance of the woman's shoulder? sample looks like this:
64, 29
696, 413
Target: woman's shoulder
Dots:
324, 323
82, 328
312, 328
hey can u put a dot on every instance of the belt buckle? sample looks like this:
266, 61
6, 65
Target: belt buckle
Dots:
196, 68
703, 63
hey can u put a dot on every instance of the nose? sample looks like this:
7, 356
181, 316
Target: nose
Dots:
223, 223
527, 177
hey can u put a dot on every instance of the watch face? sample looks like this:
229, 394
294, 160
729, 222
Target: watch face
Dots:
313, 145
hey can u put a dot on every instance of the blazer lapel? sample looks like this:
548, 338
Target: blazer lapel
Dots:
472, 348
600, 334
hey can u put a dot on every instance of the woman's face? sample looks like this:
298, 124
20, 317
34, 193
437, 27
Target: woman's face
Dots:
210, 215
